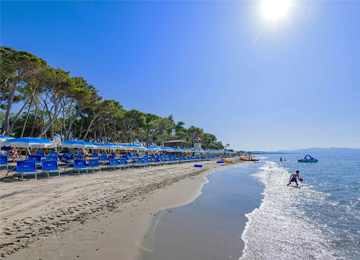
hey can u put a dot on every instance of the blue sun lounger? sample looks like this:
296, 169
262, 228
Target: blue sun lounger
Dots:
50, 166
114, 163
35, 158
94, 164
4, 161
124, 163
80, 165
25, 168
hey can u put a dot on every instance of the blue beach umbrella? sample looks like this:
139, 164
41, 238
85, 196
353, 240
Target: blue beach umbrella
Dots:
6, 137
29, 143
134, 147
78, 144
114, 146
153, 148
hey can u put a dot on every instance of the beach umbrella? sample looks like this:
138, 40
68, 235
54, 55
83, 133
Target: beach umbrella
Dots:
78, 144
166, 149
29, 143
114, 146
153, 148
134, 147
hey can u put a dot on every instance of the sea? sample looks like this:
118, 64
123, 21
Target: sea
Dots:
320, 219
249, 213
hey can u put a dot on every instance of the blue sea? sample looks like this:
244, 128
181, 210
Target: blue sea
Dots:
318, 220
249, 213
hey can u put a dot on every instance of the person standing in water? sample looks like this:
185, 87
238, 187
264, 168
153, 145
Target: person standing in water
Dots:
280, 159
294, 177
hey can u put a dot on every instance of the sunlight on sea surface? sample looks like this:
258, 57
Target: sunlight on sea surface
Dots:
319, 220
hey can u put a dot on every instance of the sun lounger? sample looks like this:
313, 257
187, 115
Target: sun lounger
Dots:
94, 164
42, 154
123, 162
25, 168
4, 161
80, 165
51, 158
114, 163
50, 166
35, 158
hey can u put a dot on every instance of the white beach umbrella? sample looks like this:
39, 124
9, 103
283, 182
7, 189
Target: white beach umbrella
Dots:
29, 143
77, 144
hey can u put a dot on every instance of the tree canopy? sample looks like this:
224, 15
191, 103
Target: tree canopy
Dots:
57, 106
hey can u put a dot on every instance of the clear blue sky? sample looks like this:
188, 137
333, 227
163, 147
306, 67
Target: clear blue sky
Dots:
218, 65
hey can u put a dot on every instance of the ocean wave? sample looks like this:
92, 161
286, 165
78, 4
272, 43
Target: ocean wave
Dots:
288, 224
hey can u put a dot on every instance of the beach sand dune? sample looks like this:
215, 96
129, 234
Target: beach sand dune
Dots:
34, 210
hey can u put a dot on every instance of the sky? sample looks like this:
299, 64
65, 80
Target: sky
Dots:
224, 66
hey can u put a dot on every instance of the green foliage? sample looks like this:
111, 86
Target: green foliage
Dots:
62, 107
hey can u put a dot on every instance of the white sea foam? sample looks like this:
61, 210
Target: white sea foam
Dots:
283, 226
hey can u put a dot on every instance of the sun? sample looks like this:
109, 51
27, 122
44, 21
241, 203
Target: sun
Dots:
275, 10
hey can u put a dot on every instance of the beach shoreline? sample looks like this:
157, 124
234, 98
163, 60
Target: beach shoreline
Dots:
35, 210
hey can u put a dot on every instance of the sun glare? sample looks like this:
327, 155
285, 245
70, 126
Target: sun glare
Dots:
275, 10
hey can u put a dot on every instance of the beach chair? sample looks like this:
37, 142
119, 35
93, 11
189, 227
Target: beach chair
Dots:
94, 164
146, 161
104, 159
50, 166
79, 155
114, 163
157, 161
140, 162
51, 158
42, 154
53, 154
95, 155
4, 161
35, 158
163, 161
80, 165
25, 168
123, 162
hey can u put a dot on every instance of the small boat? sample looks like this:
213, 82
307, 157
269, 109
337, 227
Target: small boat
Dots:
308, 158
249, 159
228, 161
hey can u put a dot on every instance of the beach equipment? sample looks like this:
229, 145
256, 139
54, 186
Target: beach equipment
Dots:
5, 137
134, 147
94, 164
301, 179
80, 165
198, 165
153, 148
114, 163
35, 158
25, 168
29, 143
50, 166
308, 158
4, 161
124, 162
249, 159
51, 158
220, 161
228, 161
77, 144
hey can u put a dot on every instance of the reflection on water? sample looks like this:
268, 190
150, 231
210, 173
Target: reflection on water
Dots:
210, 227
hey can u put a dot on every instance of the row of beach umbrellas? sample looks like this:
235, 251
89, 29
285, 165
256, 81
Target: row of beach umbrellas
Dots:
43, 143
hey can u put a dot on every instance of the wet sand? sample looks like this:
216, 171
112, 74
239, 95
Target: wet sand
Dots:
93, 216
211, 227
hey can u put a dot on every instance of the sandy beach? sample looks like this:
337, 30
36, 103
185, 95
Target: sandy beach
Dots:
72, 216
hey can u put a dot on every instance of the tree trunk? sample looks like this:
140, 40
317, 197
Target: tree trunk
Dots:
33, 126
27, 117
81, 126
8, 110
87, 130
